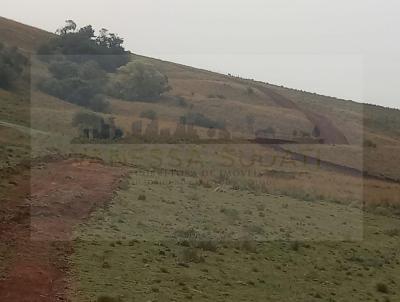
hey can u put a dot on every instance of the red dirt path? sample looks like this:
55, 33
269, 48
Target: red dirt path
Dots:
36, 221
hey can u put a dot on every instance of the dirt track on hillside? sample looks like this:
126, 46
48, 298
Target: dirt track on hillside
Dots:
38, 214
328, 131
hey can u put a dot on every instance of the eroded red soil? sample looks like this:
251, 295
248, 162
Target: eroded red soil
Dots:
37, 215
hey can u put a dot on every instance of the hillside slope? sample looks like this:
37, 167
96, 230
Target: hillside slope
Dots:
235, 220
234, 101
22, 36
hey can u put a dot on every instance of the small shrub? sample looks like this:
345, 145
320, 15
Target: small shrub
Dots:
248, 245
201, 120
149, 114
142, 197
106, 298
250, 91
164, 270
181, 102
192, 255
369, 144
295, 246
382, 288
106, 265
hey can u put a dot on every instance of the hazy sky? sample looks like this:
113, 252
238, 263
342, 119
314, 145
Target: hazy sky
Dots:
344, 48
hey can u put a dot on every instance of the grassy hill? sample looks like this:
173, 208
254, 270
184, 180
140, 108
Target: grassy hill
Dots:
233, 220
345, 126
23, 36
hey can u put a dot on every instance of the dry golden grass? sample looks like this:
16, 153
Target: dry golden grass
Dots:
25, 37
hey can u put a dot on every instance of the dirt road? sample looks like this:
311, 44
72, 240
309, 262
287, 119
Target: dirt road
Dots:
38, 213
328, 131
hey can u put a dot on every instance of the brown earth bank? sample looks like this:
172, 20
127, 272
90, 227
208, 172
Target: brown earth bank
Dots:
38, 211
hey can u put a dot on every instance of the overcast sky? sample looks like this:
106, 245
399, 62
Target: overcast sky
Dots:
344, 48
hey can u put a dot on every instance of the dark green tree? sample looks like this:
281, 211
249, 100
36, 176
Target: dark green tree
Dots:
138, 81
81, 45
82, 85
12, 64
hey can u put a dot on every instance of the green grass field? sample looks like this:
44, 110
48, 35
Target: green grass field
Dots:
193, 243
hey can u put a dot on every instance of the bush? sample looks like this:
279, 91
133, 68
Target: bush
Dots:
181, 101
200, 120
369, 144
142, 197
382, 288
248, 245
150, 114
250, 91
295, 246
81, 85
63, 70
12, 64
138, 82
316, 132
